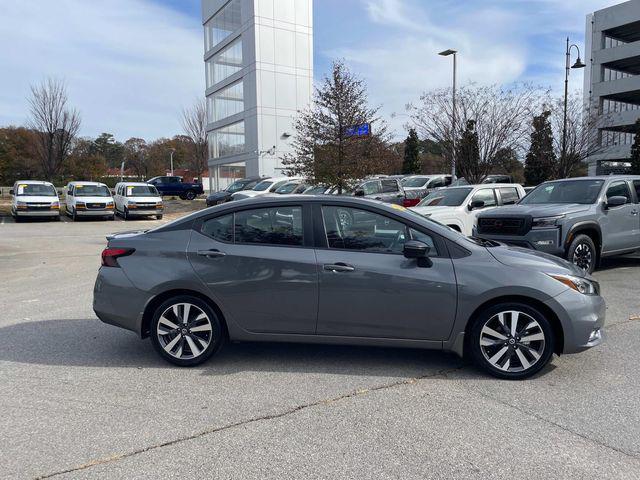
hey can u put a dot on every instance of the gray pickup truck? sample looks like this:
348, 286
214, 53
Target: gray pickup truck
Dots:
580, 219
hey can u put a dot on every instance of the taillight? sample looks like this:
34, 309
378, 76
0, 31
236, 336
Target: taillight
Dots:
110, 256
410, 202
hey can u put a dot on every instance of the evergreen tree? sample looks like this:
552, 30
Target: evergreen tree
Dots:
540, 161
468, 163
411, 163
635, 151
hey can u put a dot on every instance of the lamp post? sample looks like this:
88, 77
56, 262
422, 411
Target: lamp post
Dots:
578, 64
171, 157
446, 53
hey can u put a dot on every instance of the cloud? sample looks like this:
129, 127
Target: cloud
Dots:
130, 65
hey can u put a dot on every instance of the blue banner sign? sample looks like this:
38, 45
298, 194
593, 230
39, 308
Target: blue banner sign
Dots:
361, 130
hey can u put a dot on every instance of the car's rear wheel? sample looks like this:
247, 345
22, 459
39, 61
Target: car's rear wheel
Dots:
186, 331
511, 341
583, 253
190, 195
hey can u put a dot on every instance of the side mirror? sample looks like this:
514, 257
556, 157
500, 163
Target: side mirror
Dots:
419, 251
11, 192
476, 204
358, 193
616, 201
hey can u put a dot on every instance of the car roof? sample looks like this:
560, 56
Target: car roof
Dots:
34, 182
134, 183
599, 177
98, 184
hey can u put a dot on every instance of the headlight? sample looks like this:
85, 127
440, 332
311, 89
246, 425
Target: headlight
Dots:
546, 222
582, 285
21, 205
55, 205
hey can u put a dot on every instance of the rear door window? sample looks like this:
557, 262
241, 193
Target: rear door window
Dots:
636, 186
371, 188
389, 186
485, 195
270, 226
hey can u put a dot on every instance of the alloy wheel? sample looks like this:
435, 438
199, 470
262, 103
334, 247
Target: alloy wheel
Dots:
184, 331
583, 256
512, 341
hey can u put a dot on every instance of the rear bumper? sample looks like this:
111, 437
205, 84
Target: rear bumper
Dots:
117, 301
582, 318
546, 240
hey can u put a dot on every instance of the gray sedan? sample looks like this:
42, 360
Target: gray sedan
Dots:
291, 269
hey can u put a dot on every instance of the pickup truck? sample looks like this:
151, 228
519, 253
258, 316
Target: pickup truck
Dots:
579, 219
175, 186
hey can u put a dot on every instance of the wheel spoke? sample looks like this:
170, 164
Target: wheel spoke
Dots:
485, 342
514, 323
523, 359
534, 353
532, 338
493, 360
169, 346
202, 328
490, 331
165, 321
192, 345
185, 313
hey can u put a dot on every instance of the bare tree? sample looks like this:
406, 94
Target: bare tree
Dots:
56, 125
326, 148
501, 117
194, 124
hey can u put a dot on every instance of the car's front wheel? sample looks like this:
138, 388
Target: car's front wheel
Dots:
511, 341
583, 253
186, 331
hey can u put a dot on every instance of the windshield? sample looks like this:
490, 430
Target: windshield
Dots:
236, 186
262, 186
92, 191
287, 188
141, 191
447, 197
573, 191
34, 189
319, 190
414, 181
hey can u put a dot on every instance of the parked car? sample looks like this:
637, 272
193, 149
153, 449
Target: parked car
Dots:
423, 184
89, 199
177, 187
384, 189
403, 279
488, 179
265, 187
33, 198
458, 207
225, 195
318, 190
580, 219
137, 199
292, 187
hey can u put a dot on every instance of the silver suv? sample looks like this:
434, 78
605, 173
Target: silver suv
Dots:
580, 219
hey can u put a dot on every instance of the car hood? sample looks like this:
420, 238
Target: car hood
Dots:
533, 260
432, 211
249, 194
94, 199
36, 199
145, 199
547, 210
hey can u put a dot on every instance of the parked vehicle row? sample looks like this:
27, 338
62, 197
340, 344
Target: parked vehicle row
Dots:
175, 186
404, 280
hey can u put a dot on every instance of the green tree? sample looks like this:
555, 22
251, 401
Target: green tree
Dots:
18, 155
635, 151
540, 162
506, 162
411, 163
112, 150
468, 163
324, 149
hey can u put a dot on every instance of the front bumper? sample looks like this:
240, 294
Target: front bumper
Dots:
582, 318
144, 213
107, 212
36, 213
546, 240
117, 301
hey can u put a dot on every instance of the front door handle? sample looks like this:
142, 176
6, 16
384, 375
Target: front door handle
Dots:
339, 267
634, 212
213, 253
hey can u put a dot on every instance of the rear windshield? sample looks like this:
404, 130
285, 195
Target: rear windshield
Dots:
573, 191
287, 188
447, 197
262, 186
142, 191
415, 182
92, 191
39, 190
236, 186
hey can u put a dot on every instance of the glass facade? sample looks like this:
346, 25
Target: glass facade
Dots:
228, 140
226, 102
610, 138
222, 24
225, 63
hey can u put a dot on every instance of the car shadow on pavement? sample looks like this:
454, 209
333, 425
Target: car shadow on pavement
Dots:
610, 263
89, 343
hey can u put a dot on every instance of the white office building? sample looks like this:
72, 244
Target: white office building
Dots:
259, 73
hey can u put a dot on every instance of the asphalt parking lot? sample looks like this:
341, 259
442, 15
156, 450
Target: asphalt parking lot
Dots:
81, 399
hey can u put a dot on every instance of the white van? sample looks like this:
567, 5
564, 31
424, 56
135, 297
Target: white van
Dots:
458, 207
89, 199
33, 198
264, 187
137, 199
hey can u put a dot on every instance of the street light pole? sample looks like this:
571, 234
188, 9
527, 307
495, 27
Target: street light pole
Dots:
578, 64
446, 53
172, 152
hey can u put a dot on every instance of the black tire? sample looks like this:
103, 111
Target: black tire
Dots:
190, 195
56, 218
159, 217
215, 341
74, 215
125, 214
538, 352
583, 253
17, 218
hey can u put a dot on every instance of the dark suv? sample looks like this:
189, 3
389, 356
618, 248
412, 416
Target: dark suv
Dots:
580, 219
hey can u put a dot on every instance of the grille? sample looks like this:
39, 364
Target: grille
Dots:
38, 206
146, 206
502, 226
97, 206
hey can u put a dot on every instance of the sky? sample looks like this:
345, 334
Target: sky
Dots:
132, 65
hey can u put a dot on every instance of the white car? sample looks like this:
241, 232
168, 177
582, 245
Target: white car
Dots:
137, 199
33, 198
425, 182
265, 187
89, 199
457, 207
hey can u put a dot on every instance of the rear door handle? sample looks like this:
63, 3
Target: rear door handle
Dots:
339, 267
213, 253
